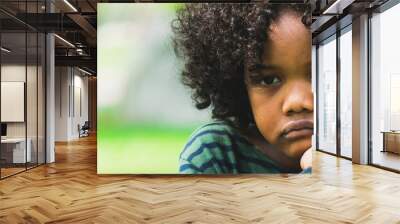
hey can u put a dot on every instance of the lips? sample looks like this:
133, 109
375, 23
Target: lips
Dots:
298, 129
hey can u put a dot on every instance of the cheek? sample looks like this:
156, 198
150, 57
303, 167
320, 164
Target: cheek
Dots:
266, 113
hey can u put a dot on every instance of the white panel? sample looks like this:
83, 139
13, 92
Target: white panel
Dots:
395, 102
12, 101
77, 112
19, 155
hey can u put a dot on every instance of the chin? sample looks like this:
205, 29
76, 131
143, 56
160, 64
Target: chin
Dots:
296, 149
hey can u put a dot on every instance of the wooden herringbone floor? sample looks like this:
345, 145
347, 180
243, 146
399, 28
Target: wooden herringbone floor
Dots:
69, 191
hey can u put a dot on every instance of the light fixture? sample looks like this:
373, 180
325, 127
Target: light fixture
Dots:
80, 51
64, 40
5, 50
338, 6
84, 71
70, 5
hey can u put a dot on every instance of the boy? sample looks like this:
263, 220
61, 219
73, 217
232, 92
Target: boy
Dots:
251, 63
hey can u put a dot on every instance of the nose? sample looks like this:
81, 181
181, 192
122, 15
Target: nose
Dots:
299, 98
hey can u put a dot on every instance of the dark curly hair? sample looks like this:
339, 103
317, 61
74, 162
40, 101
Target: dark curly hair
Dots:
217, 41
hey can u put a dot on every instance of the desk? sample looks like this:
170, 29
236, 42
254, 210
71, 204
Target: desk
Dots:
391, 141
18, 149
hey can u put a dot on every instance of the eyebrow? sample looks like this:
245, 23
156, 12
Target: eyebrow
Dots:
258, 66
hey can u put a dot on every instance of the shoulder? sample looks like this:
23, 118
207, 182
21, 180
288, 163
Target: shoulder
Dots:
210, 149
216, 133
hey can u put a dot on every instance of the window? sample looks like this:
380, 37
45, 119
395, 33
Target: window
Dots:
385, 89
327, 95
345, 92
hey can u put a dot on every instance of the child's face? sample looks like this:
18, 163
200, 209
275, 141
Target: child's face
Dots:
279, 90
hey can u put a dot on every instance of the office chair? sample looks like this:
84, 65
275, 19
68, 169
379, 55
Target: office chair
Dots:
84, 130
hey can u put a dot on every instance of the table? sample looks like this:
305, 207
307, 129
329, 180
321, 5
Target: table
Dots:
18, 149
391, 141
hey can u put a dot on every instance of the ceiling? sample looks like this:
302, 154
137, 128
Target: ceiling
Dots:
74, 22
332, 15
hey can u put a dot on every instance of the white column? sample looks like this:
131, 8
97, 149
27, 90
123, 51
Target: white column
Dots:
50, 99
360, 90
50, 93
314, 87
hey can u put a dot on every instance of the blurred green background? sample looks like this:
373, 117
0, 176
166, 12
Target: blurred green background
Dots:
145, 115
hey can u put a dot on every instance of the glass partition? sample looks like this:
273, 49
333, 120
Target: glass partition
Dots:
14, 153
31, 100
23, 91
33, 64
41, 91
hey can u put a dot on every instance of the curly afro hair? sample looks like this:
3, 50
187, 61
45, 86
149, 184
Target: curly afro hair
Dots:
217, 41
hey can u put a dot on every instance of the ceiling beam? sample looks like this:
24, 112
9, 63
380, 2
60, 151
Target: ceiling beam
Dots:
85, 61
337, 7
86, 26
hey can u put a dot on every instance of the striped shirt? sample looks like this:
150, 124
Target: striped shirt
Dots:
218, 148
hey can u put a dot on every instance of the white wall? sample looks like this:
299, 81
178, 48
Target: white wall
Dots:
81, 100
15, 72
70, 84
62, 81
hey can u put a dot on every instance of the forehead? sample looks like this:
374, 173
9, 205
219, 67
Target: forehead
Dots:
289, 38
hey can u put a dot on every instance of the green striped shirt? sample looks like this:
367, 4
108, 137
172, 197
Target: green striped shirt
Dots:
218, 148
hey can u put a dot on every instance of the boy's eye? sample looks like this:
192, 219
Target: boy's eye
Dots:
270, 80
